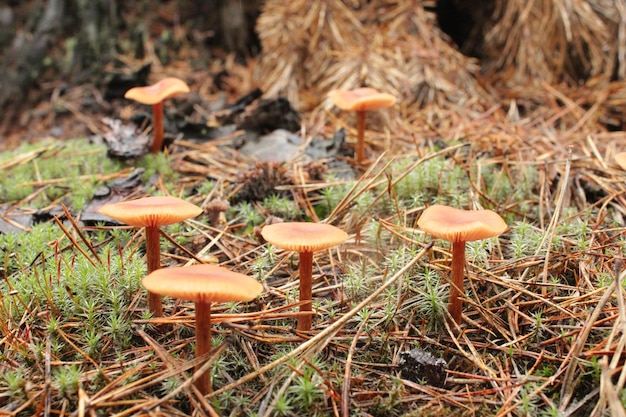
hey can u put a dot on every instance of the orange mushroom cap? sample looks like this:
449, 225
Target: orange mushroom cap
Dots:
203, 283
157, 92
361, 99
303, 237
457, 225
620, 158
151, 211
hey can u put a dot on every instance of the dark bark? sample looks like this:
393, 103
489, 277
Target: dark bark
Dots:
237, 18
23, 61
464, 21
97, 24
232, 23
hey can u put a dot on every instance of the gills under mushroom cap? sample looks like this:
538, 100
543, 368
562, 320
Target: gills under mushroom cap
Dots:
151, 211
204, 283
303, 237
456, 225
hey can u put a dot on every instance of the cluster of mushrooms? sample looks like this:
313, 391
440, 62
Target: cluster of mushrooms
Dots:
206, 283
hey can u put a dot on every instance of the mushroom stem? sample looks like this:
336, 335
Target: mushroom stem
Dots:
306, 291
360, 139
456, 280
203, 343
153, 255
157, 127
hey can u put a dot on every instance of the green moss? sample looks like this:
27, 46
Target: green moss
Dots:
436, 180
282, 207
157, 164
46, 172
245, 212
513, 185
73, 295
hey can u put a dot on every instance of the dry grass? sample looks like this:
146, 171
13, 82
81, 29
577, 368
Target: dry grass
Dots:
392, 46
543, 330
545, 327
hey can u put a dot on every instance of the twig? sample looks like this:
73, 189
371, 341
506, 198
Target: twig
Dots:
345, 392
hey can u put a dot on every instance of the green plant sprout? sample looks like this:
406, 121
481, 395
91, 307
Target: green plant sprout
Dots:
281, 207
430, 301
246, 213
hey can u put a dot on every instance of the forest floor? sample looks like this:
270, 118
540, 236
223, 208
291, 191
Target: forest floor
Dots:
544, 318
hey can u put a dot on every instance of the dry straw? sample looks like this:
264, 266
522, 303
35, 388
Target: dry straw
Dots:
544, 64
551, 41
391, 46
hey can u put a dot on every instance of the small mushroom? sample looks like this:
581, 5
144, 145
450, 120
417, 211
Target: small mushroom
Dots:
361, 100
154, 95
459, 226
215, 210
203, 284
304, 238
152, 213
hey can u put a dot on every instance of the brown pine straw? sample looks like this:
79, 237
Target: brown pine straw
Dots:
524, 107
480, 374
535, 54
316, 343
313, 48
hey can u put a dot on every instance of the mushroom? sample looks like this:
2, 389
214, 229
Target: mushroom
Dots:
361, 100
154, 95
215, 209
203, 284
459, 226
304, 238
152, 213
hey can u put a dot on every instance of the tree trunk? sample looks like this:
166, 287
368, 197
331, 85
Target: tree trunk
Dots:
232, 23
22, 63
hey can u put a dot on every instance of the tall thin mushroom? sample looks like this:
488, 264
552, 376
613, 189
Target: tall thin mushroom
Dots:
154, 95
304, 238
361, 100
203, 284
152, 213
459, 226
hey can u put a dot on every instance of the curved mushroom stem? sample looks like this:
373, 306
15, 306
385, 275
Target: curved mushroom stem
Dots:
153, 255
456, 280
203, 344
360, 139
157, 127
306, 291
